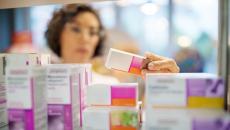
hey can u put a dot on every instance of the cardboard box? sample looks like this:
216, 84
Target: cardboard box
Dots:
108, 118
186, 119
66, 95
197, 90
123, 94
26, 98
124, 61
22, 59
16, 60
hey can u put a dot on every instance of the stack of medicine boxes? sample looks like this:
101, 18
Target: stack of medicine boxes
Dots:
185, 101
114, 106
172, 101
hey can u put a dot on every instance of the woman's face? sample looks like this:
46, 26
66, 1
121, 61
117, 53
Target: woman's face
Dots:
80, 38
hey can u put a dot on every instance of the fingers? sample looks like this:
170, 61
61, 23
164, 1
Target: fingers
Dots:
153, 57
145, 63
164, 65
158, 64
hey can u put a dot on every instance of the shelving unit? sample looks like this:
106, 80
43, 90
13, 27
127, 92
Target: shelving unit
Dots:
26, 3
223, 45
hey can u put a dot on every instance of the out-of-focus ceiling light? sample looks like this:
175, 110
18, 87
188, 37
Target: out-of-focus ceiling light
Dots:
123, 2
137, 2
184, 41
149, 8
179, 2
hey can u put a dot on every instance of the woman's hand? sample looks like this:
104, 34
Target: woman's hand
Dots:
158, 64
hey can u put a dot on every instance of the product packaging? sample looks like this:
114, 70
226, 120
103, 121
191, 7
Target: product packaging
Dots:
26, 98
198, 90
110, 118
124, 61
123, 94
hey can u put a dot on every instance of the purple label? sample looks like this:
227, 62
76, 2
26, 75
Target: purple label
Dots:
211, 124
60, 117
21, 119
205, 87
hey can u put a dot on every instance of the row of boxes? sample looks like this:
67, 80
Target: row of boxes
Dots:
75, 102
30, 89
7, 60
30, 86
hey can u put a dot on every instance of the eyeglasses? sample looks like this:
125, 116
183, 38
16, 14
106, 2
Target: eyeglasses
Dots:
91, 32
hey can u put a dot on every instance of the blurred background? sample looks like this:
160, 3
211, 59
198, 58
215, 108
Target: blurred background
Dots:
186, 30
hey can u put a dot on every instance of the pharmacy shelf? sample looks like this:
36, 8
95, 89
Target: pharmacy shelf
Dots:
4, 4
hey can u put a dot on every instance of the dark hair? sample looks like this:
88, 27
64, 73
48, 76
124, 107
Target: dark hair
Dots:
64, 15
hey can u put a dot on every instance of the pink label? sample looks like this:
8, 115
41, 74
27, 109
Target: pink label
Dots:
60, 117
136, 62
123, 92
86, 78
21, 119
80, 98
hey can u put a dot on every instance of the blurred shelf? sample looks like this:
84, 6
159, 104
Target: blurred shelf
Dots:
4, 4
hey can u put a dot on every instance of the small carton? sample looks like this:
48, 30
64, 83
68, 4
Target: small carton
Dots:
66, 95
198, 90
26, 98
186, 119
110, 118
124, 61
123, 94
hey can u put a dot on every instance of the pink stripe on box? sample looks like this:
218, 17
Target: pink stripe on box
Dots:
30, 114
131, 65
29, 119
136, 62
123, 92
68, 117
68, 109
24, 116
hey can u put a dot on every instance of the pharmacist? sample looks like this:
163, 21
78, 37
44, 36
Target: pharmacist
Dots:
75, 34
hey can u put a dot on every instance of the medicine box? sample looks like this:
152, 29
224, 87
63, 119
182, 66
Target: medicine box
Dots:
124, 61
26, 98
110, 118
123, 94
198, 90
